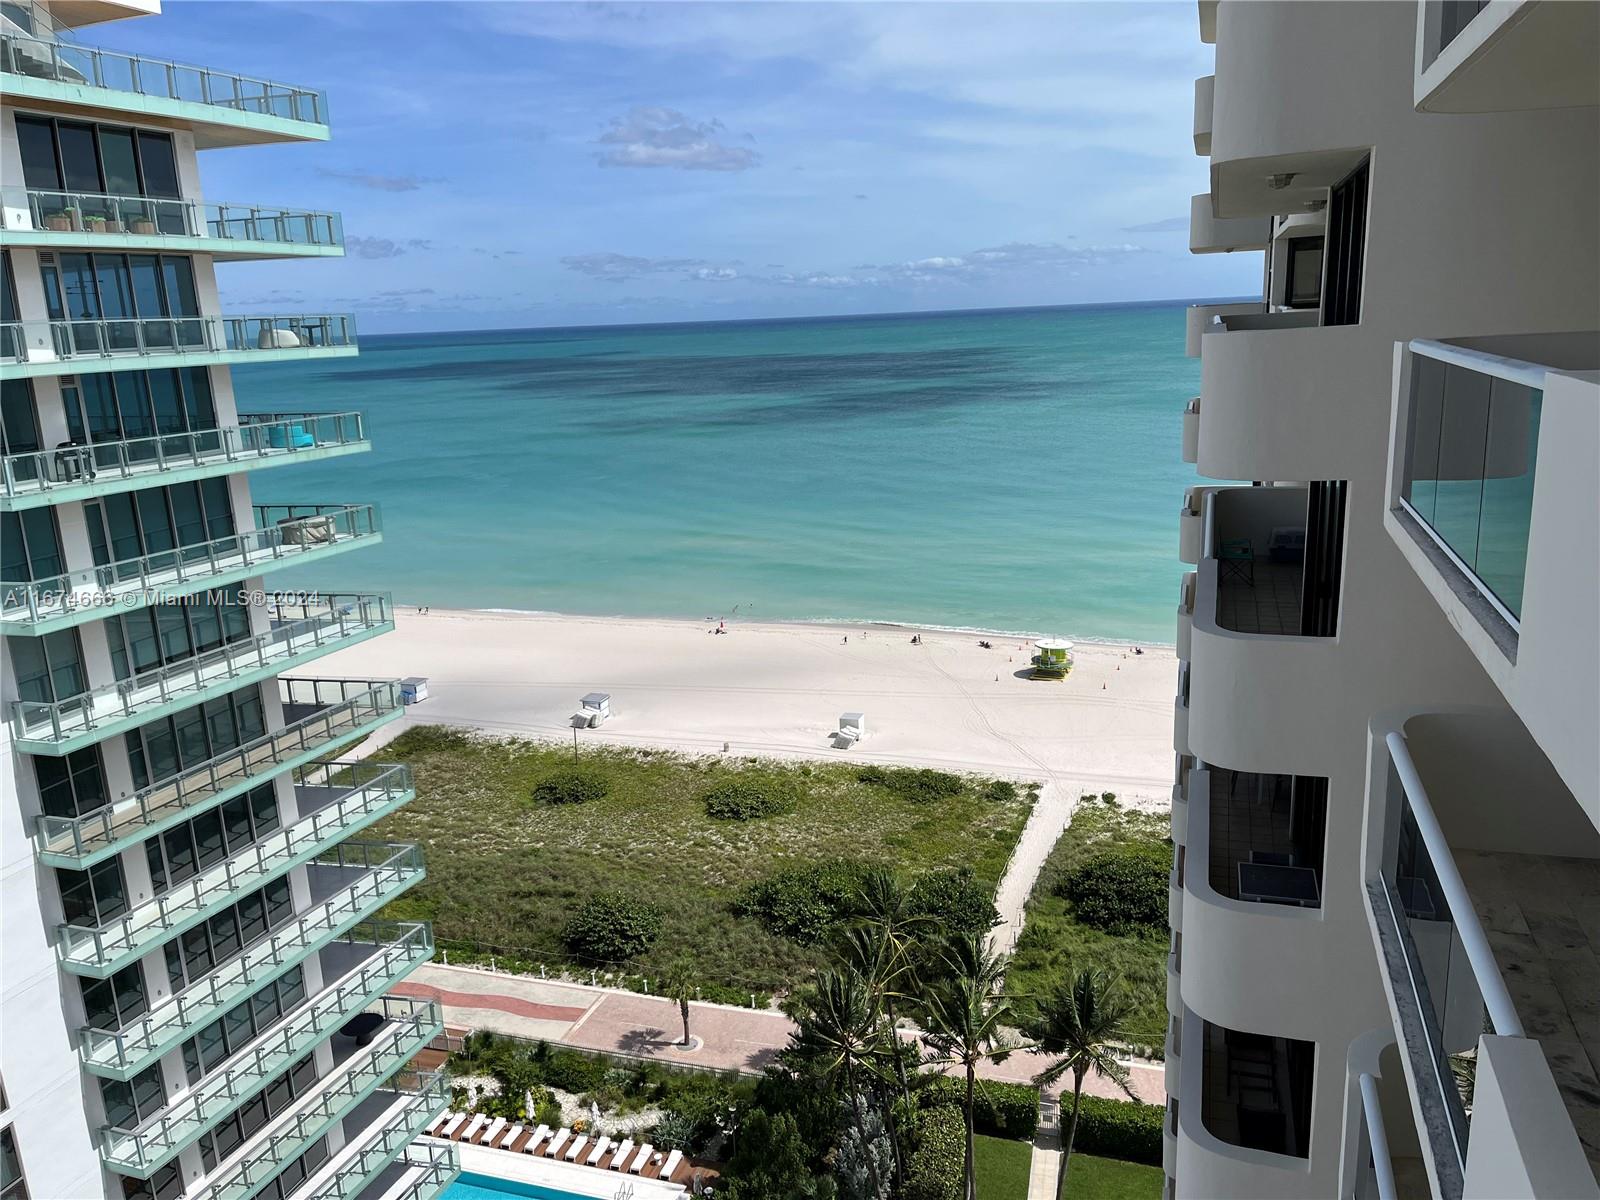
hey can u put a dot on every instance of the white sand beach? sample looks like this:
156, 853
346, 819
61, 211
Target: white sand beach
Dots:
778, 689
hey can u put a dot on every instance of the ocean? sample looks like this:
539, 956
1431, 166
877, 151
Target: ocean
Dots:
1013, 470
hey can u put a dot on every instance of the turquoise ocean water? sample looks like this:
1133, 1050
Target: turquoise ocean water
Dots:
1014, 470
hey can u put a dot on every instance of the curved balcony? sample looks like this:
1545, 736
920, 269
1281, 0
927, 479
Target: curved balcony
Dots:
1191, 431
1205, 92
301, 633
1201, 319
1210, 234
384, 947
1186, 593
156, 343
1174, 986
82, 472
404, 1111
362, 793
1272, 404
1191, 524
1175, 889
410, 1025
1227, 938
341, 712
285, 535
222, 108
1244, 663
239, 232
1180, 814
1173, 1062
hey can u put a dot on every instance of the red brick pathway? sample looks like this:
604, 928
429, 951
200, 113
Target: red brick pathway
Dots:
506, 1004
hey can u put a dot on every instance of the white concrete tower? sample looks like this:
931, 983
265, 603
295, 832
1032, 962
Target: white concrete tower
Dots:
193, 990
1385, 972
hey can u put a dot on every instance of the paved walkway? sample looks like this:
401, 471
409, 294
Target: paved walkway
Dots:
605, 1019
1046, 1165
1051, 813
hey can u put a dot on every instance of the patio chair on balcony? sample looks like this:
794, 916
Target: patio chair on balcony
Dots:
1236, 559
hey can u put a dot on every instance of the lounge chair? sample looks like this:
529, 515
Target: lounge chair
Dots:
560, 1140
641, 1158
436, 1127
539, 1135
511, 1135
495, 1128
618, 1159
453, 1124
478, 1122
598, 1152
671, 1164
575, 1148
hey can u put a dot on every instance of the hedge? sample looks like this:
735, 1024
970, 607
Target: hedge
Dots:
573, 785
610, 927
1122, 890
749, 799
934, 1171
1004, 1110
1117, 1129
920, 785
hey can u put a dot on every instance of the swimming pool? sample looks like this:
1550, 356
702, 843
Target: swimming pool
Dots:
486, 1187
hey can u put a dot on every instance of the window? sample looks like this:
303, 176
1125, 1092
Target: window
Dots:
213, 942
78, 157
182, 852
165, 1184
233, 1131
149, 638
72, 784
135, 525
29, 547
121, 288
172, 744
1346, 246
12, 1185
47, 668
1302, 285
19, 430
127, 1104
112, 1003
93, 897
230, 1033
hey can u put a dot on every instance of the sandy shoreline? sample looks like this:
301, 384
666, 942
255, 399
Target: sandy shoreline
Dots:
774, 688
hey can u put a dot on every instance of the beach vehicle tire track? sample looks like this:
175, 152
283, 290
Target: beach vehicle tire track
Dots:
983, 719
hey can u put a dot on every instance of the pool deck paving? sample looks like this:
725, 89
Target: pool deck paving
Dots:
620, 1022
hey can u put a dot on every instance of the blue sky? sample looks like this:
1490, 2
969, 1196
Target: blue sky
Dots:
520, 164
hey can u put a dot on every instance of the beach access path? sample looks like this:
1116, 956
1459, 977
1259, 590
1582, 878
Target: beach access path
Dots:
619, 1022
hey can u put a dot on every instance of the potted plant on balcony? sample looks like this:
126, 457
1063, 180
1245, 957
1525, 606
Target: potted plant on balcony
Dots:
62, 222
95, 223
143, 223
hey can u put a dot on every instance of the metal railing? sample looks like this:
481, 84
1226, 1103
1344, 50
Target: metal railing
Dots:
283, 531
147, 1148
373, 788
441, 1163
303, 628
141, 337
88, 66
1470, 462
417, 1022
82, 840
425, 1097
127, 1051
1377, 1139
155, 216
1439, 930
254, 437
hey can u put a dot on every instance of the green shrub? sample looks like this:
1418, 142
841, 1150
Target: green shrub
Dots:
803, 903
934, 1170
1108, 797
612, 926
1001, 791
573, 785
920, 785
1005, 1110
956, 900
1122, 890
1117, 1129
749, 799
548, 1113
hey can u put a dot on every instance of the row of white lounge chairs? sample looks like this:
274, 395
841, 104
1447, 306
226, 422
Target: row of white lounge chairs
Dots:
558, 1143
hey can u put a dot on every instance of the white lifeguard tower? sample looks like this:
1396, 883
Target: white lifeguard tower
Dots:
594, 710
852, 728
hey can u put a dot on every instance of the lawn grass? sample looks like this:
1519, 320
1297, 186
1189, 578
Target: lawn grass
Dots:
507, 872
1053, 943
1092, 1178
1002, 1166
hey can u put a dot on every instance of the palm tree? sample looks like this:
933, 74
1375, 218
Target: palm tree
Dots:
678, 984
1082, 1022
966, 1014
838, 1032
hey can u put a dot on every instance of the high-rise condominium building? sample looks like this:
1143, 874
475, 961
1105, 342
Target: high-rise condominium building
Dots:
1385, 967
192, 985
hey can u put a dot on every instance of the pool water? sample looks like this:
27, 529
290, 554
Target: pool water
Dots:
486, 1187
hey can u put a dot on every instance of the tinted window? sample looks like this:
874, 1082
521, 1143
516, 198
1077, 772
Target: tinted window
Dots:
160, 167
118, 161
38, 143
80, 165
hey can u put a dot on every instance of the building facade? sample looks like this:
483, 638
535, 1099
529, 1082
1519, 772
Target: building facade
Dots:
196, 995
1385, 968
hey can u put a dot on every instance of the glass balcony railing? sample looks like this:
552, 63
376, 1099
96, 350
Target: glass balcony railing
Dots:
302, 631
87, 66
354, 708
148, 1148
283, 532
376, 789
80, 342
424, 1097
1471, 460
430, 1168
149, 216
413, 1024
102, 465
123, 1053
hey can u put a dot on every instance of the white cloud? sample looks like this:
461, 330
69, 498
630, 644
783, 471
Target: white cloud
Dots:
664, 137
377, 182
618, 268
376, 247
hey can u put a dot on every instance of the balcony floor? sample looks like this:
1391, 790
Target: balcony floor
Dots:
1271, 605
1542, 917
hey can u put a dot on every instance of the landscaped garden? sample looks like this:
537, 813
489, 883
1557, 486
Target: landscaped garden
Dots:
1101, 901
641, 863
